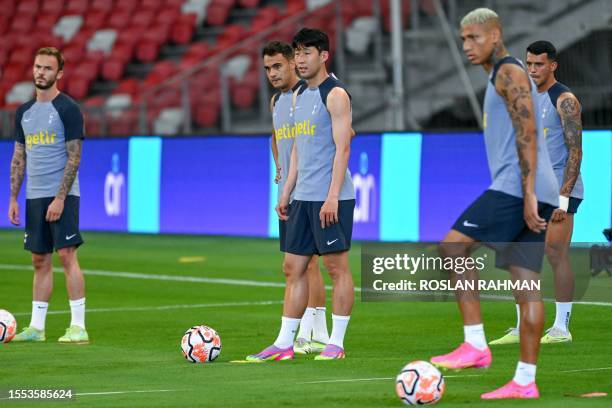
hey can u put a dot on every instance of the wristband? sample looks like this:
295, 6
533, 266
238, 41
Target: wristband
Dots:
563, 203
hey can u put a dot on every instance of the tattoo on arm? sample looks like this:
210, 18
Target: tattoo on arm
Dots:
74, 148
569, 111
18, 165
519, 103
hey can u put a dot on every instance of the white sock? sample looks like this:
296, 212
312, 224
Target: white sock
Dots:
525, 373
562, 318
340, 323
39, 314
475, 336
287, 332
518, 317
307, 323
77, 309
319, 332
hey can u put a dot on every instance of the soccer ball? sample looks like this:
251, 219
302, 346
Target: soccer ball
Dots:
8, 326
201, 344
419, 383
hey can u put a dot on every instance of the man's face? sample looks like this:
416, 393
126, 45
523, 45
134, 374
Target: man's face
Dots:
279, 70
45, 71
540, 68
478, 42
309, 61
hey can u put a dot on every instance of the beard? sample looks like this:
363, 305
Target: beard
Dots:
46, 85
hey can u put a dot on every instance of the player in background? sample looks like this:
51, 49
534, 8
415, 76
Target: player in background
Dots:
48, 141
320, 218
279, 65
514, 210
563, 130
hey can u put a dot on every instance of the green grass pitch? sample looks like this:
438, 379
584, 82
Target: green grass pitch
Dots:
135, 325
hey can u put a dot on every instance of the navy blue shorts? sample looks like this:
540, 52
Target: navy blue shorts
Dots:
43, 237
574, 203
304, 235
282, 234
496, 219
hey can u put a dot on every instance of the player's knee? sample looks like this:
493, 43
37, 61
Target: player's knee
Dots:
555, 254
290, 268
40, 262
453, 250
67, 256
335, 267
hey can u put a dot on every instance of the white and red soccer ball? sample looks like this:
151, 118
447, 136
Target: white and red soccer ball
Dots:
201, 344
8, 326
419, 383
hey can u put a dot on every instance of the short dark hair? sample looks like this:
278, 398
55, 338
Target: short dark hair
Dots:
278, 47
54, 52
541, 47
311, 37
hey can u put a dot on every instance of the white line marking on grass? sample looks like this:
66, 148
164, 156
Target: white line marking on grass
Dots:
87, 394
175, 278
220, 281
580, 370
158, 308
349, 380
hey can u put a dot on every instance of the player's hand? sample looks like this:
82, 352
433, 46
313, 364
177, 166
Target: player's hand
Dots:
530, 213
329, 212
55, 210
278, 175
558, 215
281, 208
13, 212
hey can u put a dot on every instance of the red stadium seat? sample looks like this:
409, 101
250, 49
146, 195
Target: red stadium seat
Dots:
295, 6
73, 53
8, 7
127, 5
102, 5
218, 12
112, 69
129, 86
249, 3
78, 86
22, 24
27, 7
143, 18
199, 50
119, 19
122, 51
167, 16
22, 56
124, 124
13, 73
243, 96
183, 30
147, 51
76, 7
52, 7
95, 20
264, 19
130, 35
46, 22
207, 115
231, 35
152, 5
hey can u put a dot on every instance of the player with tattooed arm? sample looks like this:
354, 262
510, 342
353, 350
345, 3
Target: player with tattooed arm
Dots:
48, 142
562, 125
511, 215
